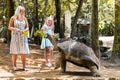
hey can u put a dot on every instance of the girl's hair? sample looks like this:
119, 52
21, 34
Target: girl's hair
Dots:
18, 9
50, 18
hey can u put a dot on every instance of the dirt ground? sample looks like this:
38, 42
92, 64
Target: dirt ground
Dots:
37, 71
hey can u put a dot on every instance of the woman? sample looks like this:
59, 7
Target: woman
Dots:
46, 44
19, 43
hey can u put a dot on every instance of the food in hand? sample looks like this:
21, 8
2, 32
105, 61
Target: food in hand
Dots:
39, 33
25, 33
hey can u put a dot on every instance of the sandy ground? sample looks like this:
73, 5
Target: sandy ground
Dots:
34, 71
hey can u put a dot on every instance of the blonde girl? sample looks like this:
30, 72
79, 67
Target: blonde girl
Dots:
46, 44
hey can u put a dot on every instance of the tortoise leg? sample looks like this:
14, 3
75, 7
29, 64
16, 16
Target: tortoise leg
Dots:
94, 70
60, 61
57, 65
63, 65
57, 59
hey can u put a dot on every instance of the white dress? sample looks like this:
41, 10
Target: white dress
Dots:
19, 43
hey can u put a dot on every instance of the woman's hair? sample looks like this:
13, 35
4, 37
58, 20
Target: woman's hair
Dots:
18, 9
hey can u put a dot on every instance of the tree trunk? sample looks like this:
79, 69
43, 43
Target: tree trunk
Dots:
44, 11
10, 12
36, 14
58, 27
45, 5
35, 19
74, 28
116, 46
94, 28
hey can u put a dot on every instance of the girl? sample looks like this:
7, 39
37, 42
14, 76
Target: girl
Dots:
46, 44
19, 43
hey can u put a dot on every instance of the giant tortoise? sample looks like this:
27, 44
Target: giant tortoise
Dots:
76, 53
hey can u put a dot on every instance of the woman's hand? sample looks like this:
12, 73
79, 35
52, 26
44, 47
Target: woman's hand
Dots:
14, 29
25, 30
18, 30
25, 33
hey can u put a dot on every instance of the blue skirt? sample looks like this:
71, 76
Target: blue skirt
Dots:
46, 43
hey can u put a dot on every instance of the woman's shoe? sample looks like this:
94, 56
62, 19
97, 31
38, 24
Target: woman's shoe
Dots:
24, 69
15, 68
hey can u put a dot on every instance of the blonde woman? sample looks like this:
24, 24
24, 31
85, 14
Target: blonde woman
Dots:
19, 43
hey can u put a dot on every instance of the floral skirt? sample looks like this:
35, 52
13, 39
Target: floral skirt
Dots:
19, 44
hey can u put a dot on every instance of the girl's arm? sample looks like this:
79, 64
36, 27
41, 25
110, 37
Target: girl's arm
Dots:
43, 27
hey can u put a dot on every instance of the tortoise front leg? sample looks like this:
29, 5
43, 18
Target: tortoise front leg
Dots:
63, 65
57, 59
63, 62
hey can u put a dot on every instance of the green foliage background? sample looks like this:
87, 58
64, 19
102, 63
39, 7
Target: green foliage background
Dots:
106, 17
106, 12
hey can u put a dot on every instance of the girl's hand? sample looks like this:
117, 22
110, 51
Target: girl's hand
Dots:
42, 29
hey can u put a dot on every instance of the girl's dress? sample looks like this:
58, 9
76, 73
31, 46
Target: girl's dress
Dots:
45, 41
19, 43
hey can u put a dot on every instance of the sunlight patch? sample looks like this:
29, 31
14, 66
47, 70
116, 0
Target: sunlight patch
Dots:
4, 73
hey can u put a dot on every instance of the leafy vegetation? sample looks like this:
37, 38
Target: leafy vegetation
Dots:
25, 33
40, 33
47, 7
106, 17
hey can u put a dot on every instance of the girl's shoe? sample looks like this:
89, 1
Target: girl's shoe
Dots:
46, 64
49, 64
